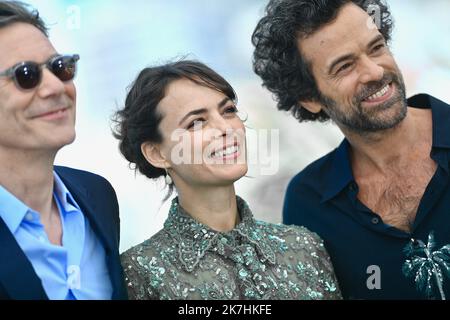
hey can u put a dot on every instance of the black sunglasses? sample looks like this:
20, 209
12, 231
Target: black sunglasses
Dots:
27, 75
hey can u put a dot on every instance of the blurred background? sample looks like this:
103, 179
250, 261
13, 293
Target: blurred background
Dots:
116, 39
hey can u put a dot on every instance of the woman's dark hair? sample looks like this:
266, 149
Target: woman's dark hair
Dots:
138, 122
15, 11
277, 60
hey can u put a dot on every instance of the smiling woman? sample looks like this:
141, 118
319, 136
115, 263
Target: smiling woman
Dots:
180, 121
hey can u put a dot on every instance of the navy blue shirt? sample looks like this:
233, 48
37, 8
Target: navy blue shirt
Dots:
369, 256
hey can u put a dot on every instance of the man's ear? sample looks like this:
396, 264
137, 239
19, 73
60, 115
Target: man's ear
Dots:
152, 153
311, 106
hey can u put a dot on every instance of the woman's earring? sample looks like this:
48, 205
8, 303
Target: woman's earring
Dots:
168, 179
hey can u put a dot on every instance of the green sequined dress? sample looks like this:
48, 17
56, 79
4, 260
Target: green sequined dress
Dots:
256, 260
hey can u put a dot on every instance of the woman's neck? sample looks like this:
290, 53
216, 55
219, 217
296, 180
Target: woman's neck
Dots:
215, 207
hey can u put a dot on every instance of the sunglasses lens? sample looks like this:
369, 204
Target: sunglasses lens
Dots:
28, 75
64, 67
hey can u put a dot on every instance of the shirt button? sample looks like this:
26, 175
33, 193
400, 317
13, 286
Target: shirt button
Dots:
29, 216
375, 220
73, 277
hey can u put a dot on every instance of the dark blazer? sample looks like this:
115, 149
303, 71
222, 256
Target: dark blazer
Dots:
98, 201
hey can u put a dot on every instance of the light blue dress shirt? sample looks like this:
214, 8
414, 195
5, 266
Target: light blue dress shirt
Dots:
75, 270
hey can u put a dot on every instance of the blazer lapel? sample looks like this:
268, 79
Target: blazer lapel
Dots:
17, 275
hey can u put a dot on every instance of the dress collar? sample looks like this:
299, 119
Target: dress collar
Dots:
195, 238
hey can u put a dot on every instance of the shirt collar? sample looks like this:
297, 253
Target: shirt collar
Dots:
340, 172
13, 210
441, 115
195, 238
66, 200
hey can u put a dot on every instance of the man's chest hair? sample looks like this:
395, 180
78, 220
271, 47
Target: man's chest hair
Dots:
396, 196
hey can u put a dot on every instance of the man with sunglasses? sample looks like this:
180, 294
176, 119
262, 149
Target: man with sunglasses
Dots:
59, 227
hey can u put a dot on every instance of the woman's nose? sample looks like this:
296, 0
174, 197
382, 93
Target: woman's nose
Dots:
221, 126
